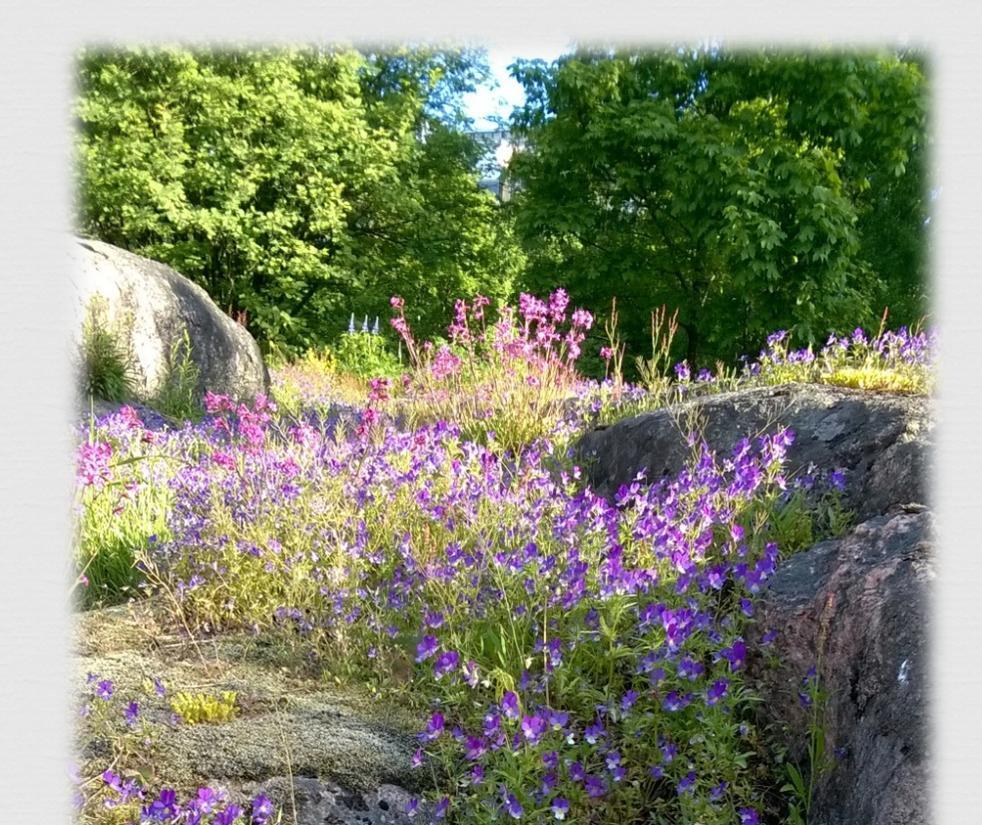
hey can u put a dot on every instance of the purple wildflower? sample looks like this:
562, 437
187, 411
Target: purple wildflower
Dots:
434, 728
445, 663
717, 690
513, 807
735, 655
509, 705
686, 784
227, 816
748, 816
628, 700
262, 809
595, 786
533, 727
675, 701
426, 648
475, 748
594, 732
559, 807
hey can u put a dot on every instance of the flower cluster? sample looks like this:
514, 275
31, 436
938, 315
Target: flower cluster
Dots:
893, 360
581, 642
507, 381
572, 658
209, 806
103, 711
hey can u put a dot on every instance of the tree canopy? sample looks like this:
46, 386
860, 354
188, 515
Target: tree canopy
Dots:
753, 191
296, 186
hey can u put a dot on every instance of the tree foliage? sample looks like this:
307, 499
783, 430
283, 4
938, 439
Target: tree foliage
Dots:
296, 186
752, 191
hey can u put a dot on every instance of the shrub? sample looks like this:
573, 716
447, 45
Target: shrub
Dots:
900, 361
366, 355
195, 708
567, 656
511, 594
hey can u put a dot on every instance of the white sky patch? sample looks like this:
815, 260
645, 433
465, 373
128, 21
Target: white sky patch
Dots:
504, 93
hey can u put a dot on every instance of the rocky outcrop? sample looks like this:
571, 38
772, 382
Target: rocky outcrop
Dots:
310, 801
150, 307
857, 608
881, 440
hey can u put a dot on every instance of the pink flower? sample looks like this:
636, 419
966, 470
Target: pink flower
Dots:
445, 364
582, 318
369, 417
263, 403
223, 459
93, 464
130, 417
478, 306
558, 302
531, 308
379, 390
217, 403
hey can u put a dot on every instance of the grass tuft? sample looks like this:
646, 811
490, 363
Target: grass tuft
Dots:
107, 365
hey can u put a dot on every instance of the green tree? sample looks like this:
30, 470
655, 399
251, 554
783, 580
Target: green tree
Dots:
752, 191
295, 186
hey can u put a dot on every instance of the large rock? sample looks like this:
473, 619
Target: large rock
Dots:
858, 608
150, 306
882, 440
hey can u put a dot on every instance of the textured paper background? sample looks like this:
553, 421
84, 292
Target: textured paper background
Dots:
38, 40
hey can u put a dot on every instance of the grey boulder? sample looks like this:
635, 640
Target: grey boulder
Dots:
149, 307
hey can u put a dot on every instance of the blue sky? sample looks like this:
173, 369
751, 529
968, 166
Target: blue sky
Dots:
505, 93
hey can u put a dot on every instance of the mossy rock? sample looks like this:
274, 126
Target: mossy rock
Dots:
289, 722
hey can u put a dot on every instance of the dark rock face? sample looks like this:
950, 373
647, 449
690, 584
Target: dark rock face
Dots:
857, 607
323, 803
150, 306
882, 440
